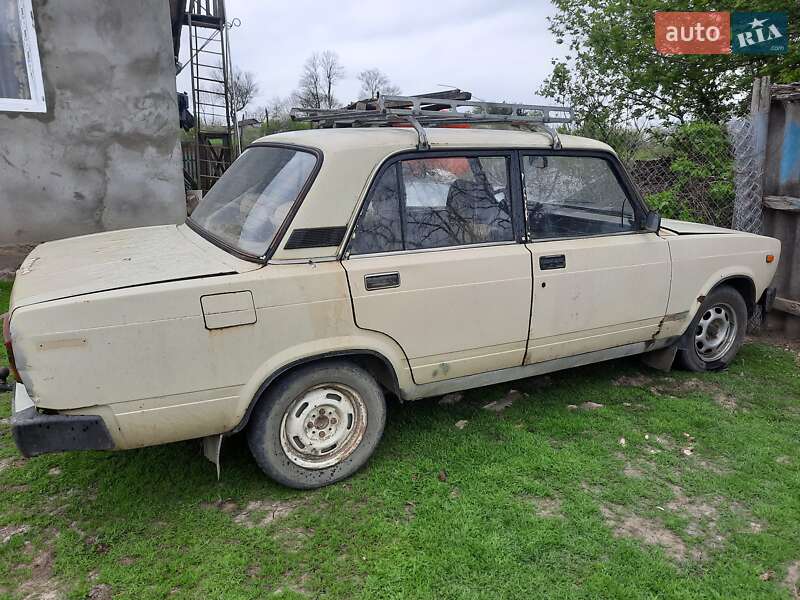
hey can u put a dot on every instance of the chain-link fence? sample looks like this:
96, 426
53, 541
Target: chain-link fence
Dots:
699, 172
747, 177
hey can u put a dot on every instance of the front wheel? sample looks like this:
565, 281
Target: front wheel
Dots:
317, 425
717, 332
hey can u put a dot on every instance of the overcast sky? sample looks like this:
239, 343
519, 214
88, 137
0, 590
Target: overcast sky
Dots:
498, 50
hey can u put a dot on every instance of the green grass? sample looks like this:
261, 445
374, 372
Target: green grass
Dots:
537, 501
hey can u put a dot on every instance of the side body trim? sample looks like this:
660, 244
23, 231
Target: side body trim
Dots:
447, 386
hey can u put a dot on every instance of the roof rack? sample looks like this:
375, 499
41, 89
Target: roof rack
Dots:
430, 111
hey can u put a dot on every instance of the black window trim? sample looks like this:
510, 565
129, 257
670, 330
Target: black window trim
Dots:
629, 189
513, 162
280, 233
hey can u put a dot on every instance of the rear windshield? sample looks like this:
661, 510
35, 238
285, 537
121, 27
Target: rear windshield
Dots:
248, 204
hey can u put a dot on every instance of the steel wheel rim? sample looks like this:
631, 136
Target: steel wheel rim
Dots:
323, 426
715, 333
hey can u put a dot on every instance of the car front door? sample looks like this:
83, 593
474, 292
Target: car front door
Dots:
436, 262
600, 280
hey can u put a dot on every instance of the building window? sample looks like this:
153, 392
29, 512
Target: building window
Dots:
21, 86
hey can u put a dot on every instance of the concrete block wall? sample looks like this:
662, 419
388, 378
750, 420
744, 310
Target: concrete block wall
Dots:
106, 155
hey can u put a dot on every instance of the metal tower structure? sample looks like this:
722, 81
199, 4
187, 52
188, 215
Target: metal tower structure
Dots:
213, 149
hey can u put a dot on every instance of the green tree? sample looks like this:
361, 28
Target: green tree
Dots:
613, 71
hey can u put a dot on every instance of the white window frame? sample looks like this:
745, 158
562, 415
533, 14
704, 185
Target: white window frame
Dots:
36, 103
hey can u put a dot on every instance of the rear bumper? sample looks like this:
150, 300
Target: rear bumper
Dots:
35, 433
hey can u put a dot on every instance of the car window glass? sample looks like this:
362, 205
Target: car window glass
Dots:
379, 228
456, 201
437, 202
248, 204
569, 196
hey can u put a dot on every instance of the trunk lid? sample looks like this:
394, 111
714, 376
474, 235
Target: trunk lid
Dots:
119, 259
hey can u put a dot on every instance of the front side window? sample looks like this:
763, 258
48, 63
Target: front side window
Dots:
21, 87
572, 196
434, 203
249, 203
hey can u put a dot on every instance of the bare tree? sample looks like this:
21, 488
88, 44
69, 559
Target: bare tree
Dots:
309, 93
332, 73
278, 108
374, 82
321, 73
242, 88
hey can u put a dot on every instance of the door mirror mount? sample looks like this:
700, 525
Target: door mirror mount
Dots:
652, 222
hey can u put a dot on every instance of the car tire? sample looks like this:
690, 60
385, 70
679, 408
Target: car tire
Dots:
716, 333
317, 425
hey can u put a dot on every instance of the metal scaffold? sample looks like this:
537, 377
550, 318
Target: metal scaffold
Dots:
214, 146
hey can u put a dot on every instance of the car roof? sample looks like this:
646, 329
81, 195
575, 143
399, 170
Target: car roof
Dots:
352, 156
403, 138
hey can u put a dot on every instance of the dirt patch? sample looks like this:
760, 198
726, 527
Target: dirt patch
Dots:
712, 466
633, 472
409, 511
100, 592
293, 539
260, 513
695, 509
545, 507
669, 386
665, 441
502, 404
8, 532
783, 460
253, 571
649, 531
19, 488
776, 339
722, 398
702, 516
227, 506
11, 463
41, 584
792, 579
725, 400
450, 399
590, 406
298, 586
638, 380
590, 488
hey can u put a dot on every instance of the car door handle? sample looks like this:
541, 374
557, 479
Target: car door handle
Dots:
558, 261
381, 281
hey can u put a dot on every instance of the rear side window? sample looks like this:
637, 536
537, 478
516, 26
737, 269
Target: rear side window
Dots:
574, 196
434, 203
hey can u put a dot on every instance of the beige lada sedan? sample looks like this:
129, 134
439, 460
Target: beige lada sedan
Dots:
329, 268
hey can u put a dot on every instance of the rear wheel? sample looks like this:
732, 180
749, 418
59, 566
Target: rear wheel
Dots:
717, 332
317, 425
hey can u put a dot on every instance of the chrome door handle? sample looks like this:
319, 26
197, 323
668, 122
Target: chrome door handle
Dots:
381, 281
558, 261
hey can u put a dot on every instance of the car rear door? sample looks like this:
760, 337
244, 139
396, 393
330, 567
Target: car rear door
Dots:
436, 262
600, 280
